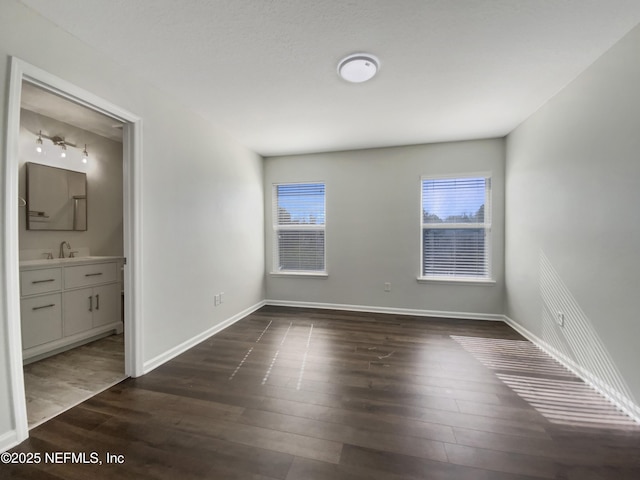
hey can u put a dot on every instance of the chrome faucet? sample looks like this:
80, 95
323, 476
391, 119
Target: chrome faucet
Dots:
61, 255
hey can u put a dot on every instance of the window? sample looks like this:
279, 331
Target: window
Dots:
456, 228
298, 225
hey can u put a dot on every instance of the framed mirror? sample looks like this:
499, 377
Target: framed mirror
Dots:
56, 198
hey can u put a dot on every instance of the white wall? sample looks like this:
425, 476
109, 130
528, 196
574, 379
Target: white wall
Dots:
373, 226
104, 187
573, 220
202, 208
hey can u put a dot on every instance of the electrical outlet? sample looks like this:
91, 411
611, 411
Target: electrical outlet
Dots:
387, 286
216, 300
560, 319
221, 297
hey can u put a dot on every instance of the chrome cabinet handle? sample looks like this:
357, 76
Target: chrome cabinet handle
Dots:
44, 281
44, 306
92, 274
97, 302
91, 303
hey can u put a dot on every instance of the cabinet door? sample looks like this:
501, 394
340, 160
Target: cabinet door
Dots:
41, 320
106, 304
78, 309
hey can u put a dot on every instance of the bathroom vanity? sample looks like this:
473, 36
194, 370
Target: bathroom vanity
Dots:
67, 302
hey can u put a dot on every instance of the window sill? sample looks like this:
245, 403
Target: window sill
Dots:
300, 274
458, 281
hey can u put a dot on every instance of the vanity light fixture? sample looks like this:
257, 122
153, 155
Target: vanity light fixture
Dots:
39, 142
60, 142
359, 67
85, 154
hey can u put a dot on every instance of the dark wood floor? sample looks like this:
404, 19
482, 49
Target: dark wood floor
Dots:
311, 394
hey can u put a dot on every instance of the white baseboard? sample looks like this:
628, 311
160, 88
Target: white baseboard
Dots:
617, 398
149, 365
8, 440
389, 310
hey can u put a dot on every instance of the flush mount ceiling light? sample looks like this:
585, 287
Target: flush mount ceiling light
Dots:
358, 68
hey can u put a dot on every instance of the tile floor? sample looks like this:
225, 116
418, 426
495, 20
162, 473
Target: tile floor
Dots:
62, 381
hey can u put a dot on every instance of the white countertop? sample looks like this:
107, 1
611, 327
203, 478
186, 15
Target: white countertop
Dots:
58, 262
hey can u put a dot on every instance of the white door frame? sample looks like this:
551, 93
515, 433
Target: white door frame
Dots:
132, 226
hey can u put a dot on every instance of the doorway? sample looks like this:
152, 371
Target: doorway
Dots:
131, 223
70, 201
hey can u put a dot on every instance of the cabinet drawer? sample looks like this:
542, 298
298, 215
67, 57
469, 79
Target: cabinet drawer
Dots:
33, 282
87, 275
41, 319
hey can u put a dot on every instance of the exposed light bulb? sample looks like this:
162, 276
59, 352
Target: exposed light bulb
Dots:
39, 142
85, 154
63, 154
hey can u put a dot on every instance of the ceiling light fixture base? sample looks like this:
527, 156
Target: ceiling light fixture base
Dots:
358, 67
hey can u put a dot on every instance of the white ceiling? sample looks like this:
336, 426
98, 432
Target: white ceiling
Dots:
45, 103
265, 71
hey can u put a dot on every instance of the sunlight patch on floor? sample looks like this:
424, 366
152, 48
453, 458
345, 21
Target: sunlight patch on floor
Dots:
562, 399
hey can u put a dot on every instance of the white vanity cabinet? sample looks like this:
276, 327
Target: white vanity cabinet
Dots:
68, 304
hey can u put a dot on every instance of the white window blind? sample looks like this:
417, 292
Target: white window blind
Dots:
299, 227
456, 228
